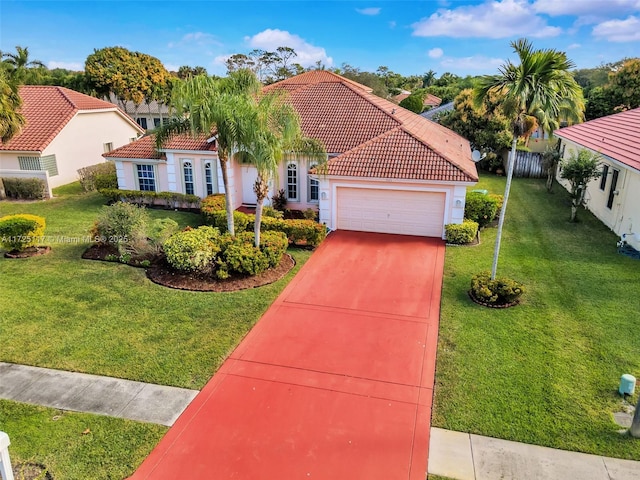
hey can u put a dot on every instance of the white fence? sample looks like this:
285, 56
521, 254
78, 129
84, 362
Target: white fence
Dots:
6, 472
41, 174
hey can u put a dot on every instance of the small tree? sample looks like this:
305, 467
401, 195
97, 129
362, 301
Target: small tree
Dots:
579, 170
414, 102
550, 159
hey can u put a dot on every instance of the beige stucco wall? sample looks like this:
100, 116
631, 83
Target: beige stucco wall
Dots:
81, 142
454, 195
624, 214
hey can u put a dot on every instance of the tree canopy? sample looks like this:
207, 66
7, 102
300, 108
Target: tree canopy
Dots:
11, 121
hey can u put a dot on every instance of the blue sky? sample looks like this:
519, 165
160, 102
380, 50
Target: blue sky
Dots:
409, 37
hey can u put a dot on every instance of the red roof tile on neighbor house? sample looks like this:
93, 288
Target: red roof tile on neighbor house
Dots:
617, 136
344, 115
145, 147
47, 109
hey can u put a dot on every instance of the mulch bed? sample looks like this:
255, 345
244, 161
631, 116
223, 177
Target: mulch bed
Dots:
491, 305
161, 273
28, 252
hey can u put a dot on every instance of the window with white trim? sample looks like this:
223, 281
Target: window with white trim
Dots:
48, 163
313, 189
187, 175
142, 122
107, 147
209, 178
292, 181
603, 178
146, 178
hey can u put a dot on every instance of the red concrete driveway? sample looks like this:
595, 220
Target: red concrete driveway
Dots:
335, 381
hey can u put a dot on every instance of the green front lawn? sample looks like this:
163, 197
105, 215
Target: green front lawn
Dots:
76, 446
60, 311
545, 372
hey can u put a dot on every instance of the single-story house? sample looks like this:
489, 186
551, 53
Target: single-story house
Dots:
430, 101
388, 170
64, 131
614, 197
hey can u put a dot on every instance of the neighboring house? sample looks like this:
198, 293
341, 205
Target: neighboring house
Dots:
389, 170
64, 131
430, 101
147, 115
434, 113
614, 197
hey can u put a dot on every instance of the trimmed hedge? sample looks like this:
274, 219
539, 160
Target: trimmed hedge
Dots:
480, 208
501, 291
18, 232
100, 176
168, 199
213, 203
205, 250
241, 221
24, 188
461, 233
193, 250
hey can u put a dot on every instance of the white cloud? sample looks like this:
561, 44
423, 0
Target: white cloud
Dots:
491, 19
368, 11
586, 7
435, 52
75, 66
477, 63
627, 30
171, 67
220, 59
195, 38
573, 46
392, 24
308, 54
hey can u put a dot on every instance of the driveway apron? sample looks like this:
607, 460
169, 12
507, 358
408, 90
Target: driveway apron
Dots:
334, 382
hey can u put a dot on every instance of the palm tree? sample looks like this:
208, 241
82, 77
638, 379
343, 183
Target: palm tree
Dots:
540, 91
19, 63
221, 107
277, 133
11, 121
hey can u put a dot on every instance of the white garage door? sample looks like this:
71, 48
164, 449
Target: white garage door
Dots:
390, 211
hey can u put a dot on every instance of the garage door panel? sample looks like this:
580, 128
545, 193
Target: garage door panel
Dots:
390, 211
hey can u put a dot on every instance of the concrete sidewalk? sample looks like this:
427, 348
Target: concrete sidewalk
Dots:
463, 456
80, 392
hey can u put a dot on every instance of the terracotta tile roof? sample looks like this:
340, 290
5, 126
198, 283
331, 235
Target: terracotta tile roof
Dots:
354, 123
145, 147
316, 76
396, 154
47, 109
616, 136
152, 108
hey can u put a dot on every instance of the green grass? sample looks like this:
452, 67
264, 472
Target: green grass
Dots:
62, 312
545, 372
112, 449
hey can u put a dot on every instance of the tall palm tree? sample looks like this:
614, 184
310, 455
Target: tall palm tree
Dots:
19, 63
540, 91
276, 135
11, 121
220, 107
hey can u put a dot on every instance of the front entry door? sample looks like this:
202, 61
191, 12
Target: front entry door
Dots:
249, 177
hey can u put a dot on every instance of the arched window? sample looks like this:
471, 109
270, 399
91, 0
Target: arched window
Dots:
314, 186
187, 170
292, 181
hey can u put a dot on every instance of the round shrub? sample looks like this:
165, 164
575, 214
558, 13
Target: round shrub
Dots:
18, 232
273, 245
501, 291
480, 208
193, 250
241, 256
462, 233
121, 224
218, 219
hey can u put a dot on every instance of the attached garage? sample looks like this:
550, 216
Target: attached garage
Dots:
379, 210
